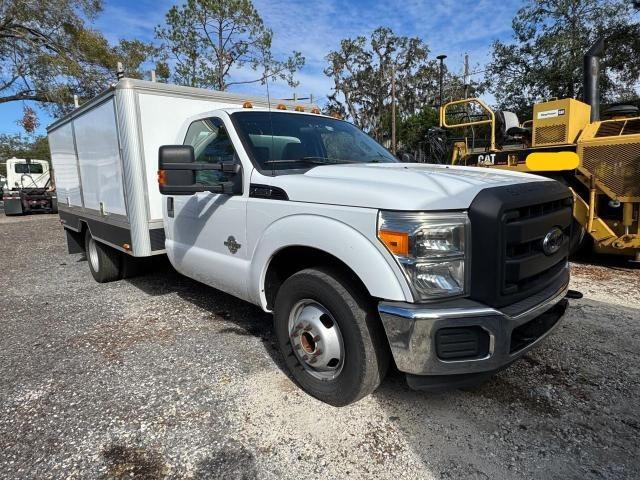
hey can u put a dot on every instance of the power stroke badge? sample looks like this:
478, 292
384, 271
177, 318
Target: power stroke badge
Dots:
232, 245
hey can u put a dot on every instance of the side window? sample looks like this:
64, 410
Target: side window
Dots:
211, 144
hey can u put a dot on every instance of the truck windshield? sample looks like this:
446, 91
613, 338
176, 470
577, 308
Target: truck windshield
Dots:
284, 141
28, 168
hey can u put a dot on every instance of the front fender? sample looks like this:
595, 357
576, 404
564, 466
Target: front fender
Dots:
381, 276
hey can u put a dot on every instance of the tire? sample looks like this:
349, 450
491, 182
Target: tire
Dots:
105, 263
577, 240
304, 300
578, 232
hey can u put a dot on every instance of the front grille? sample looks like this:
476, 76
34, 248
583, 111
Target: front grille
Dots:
526, 263
509, 225
616, 166
550, 134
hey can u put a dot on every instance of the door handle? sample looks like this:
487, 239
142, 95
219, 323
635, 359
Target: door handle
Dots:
170, 207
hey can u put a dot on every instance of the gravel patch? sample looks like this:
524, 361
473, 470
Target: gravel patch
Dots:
161, 377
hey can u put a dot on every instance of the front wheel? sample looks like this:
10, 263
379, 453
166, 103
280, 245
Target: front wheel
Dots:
330, 336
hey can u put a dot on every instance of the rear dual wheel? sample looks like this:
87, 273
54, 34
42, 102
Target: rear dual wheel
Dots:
105, 263
330, 336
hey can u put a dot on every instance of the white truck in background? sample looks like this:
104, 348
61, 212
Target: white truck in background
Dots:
28, 187
360, 258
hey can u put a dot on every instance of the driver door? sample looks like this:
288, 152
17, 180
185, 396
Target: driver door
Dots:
206, 232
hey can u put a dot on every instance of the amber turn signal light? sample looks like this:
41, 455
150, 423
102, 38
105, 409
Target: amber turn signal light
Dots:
162, 177
396, 242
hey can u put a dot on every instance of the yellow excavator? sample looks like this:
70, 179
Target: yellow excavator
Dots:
599, 158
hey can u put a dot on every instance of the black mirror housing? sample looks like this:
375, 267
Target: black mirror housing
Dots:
177, 172
171, 179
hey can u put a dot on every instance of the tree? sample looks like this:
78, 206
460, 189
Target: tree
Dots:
362, 71
206, 40
48, 53
413, 129
550, 40
133, 54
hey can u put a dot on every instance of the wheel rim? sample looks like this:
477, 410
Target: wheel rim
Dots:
316, 339
93, 255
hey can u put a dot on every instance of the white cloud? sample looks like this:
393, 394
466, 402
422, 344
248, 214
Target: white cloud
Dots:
452, 27
314, 28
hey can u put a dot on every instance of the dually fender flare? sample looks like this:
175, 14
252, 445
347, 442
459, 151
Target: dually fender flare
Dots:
336, 238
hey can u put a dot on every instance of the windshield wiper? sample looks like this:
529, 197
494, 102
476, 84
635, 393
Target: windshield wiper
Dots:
312, 160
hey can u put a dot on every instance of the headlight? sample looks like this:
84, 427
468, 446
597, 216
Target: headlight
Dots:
430, 248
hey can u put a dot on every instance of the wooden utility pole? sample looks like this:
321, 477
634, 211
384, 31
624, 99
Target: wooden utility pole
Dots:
441, 58
466, 76
393, 110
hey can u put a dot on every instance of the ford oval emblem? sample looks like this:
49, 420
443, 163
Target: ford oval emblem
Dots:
552, 241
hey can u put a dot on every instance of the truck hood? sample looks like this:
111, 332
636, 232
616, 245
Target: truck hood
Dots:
395, 186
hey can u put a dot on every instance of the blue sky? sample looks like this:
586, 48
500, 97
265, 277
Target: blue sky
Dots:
452, 27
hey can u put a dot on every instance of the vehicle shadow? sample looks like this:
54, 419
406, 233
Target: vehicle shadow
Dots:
605, 260
568, 409
160, 278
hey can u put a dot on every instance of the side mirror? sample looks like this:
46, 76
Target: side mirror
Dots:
177, 169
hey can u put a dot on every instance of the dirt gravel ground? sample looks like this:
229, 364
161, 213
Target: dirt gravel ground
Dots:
161, 377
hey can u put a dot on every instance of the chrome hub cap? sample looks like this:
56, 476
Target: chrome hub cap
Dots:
316, 339
93, 255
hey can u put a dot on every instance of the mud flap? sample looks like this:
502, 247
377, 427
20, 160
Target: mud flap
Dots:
13, 206
75, 243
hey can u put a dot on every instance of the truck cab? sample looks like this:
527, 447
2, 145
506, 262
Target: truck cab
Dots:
451, 273
28, 187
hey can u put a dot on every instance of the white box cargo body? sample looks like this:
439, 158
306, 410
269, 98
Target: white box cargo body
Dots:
105, 155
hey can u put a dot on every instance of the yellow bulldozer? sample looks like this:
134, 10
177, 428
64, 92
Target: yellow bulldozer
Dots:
598, 158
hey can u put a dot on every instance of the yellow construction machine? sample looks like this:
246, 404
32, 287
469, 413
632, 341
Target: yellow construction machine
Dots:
566, 140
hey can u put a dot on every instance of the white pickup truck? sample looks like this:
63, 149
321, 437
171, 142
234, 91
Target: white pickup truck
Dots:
451, 272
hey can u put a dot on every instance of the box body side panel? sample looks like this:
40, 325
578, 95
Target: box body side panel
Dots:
99, 159
65, 166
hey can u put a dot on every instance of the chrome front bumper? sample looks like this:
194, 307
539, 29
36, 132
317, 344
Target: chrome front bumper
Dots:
411, 330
